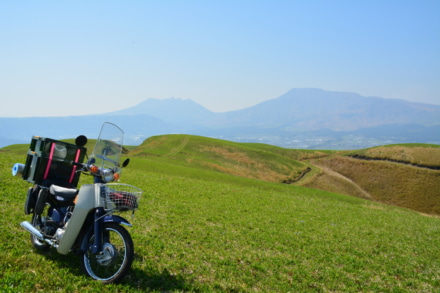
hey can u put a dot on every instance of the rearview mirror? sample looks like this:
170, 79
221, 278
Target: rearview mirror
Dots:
125, 163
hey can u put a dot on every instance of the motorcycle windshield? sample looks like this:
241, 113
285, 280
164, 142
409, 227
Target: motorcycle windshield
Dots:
108, 147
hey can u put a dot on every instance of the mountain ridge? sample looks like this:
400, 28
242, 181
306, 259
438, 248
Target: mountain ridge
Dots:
301, 118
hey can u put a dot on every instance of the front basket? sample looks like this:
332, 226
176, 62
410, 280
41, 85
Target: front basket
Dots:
121, 197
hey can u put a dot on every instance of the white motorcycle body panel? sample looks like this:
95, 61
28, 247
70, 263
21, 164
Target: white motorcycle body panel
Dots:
88, 199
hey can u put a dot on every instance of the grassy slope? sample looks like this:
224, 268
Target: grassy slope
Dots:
388, 182
201, 230
416, 153
384, 179
256, 161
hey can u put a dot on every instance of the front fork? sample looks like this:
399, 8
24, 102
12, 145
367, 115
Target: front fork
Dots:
98, 226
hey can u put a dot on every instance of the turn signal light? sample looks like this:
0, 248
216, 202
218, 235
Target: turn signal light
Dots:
93, 169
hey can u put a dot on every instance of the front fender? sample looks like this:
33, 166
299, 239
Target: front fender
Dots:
117, 219
83, 240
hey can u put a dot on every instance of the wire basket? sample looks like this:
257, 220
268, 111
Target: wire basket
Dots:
121, 197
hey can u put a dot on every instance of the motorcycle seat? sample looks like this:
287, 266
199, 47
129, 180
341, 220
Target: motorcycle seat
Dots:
63, 192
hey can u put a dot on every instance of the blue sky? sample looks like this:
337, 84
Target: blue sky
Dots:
62, 58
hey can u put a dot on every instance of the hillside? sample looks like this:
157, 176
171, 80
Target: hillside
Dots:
421, 155
394, 174
200, 229
255, 161
384, 181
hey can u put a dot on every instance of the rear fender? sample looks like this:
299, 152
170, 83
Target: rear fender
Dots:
31, 199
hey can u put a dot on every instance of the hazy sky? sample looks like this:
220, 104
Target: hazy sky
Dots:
62, 58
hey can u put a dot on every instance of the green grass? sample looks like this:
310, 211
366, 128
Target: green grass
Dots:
199, 230
256, 161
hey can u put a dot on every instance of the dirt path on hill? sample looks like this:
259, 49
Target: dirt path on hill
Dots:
335, 174
318, 170
359, 157
179, 147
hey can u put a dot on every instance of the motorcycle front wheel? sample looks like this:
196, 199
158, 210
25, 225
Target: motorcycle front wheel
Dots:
116, 257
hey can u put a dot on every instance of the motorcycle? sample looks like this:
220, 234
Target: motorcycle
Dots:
81, 221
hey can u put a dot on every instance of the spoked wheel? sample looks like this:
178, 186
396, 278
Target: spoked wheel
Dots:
116, 257
37, 243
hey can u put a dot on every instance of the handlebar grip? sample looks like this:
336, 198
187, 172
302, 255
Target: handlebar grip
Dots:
77, 164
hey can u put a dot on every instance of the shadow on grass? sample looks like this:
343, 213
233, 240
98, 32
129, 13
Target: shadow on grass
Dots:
135, 278
155, 281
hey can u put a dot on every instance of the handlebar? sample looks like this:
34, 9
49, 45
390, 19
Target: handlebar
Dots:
102, 175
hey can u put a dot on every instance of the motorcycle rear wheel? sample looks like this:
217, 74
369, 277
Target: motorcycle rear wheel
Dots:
112, 264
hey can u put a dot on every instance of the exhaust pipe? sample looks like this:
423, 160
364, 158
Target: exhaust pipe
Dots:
31, 229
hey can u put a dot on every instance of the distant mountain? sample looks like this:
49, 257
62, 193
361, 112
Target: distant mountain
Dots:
170, 110
137, 127
313, 109
298, 109
301, 118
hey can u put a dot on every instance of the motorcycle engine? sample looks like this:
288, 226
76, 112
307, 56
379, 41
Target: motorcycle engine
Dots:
59, 234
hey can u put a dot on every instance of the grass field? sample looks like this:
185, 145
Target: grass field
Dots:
200, 229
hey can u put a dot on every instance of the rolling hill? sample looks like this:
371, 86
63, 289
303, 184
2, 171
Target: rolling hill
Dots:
255, 161
401, 175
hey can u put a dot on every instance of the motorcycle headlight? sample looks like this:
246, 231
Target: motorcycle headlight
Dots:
107, 176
